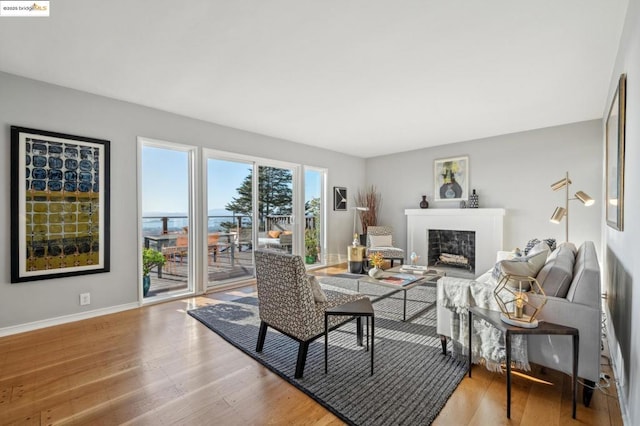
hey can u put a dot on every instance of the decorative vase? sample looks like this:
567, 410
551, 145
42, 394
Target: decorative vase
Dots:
375, 272
424, 204
473, 200
146, 284
463, 204
310, 260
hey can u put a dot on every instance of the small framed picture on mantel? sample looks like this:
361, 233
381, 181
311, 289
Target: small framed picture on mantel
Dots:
451, 179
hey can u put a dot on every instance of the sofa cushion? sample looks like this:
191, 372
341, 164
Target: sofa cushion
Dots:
585, 285
527, 266
556, 275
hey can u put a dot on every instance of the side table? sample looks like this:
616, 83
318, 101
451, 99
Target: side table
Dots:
544, 328
355, 258
359, 308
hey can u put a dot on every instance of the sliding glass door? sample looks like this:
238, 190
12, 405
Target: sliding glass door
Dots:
243, 203
229, 229
276, 227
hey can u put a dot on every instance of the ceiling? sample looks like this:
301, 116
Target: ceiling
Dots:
365, 78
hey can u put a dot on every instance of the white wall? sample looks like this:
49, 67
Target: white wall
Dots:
622, 262
38, 105
513, 172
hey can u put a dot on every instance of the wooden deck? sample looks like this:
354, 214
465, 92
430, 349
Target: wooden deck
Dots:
174, 274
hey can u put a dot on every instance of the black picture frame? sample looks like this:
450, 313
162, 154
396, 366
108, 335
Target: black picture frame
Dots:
339, 198
615, 139
60, 205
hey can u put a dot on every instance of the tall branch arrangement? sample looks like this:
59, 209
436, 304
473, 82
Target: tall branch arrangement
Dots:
369, 198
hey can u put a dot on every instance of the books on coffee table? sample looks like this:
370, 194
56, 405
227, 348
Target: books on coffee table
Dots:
418, 270
400, 279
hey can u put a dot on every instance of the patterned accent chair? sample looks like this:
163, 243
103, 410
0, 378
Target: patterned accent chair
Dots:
286, 302
380, 240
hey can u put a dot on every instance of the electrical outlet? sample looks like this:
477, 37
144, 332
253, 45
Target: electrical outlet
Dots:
85, 299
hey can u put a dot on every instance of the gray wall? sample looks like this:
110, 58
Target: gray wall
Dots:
511, 171
622, 267
38, 105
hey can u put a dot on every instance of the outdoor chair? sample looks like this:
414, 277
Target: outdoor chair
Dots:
169, 254
286, 302
244, 238
212, 247
182, 247
380, 240
286, 241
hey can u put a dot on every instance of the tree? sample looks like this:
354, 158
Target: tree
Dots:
274, 193
312, 208
312, 234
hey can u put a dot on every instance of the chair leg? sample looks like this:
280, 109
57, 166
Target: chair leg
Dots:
443, 342
302, 358
261, 335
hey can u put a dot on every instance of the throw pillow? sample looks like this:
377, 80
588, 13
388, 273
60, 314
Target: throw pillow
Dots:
380, 241
273, 234
551, 242
318, 294
542, 246
527, 266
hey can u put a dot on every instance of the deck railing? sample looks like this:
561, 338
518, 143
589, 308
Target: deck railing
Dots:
159, 225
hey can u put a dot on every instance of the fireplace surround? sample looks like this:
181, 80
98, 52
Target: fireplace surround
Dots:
487, 225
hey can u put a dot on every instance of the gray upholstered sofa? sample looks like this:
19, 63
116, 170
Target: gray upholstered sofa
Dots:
571, 279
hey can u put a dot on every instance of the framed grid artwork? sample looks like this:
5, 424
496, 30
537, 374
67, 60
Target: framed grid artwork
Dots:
59, 205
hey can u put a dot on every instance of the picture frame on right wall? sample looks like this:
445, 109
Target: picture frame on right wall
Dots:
615, 134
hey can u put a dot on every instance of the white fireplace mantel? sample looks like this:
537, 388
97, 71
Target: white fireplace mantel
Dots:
486, 223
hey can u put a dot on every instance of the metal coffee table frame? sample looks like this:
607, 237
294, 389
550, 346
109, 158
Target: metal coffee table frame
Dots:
429, 279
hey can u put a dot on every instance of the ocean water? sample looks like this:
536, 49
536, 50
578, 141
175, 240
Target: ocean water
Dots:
153, 225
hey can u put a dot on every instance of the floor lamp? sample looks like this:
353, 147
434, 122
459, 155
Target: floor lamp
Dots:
356, 240
561, 212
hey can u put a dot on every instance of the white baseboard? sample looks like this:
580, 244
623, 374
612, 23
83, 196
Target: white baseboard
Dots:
617, 363
36, 325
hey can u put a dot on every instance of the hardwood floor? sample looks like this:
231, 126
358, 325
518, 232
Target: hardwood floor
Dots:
157, 365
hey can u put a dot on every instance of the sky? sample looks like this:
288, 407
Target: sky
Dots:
165, 185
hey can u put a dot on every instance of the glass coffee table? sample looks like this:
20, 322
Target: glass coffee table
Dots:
427, 279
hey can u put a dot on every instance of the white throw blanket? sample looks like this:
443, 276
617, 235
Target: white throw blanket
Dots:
487, 344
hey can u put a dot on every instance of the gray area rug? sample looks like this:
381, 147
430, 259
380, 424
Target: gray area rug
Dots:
412, 379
